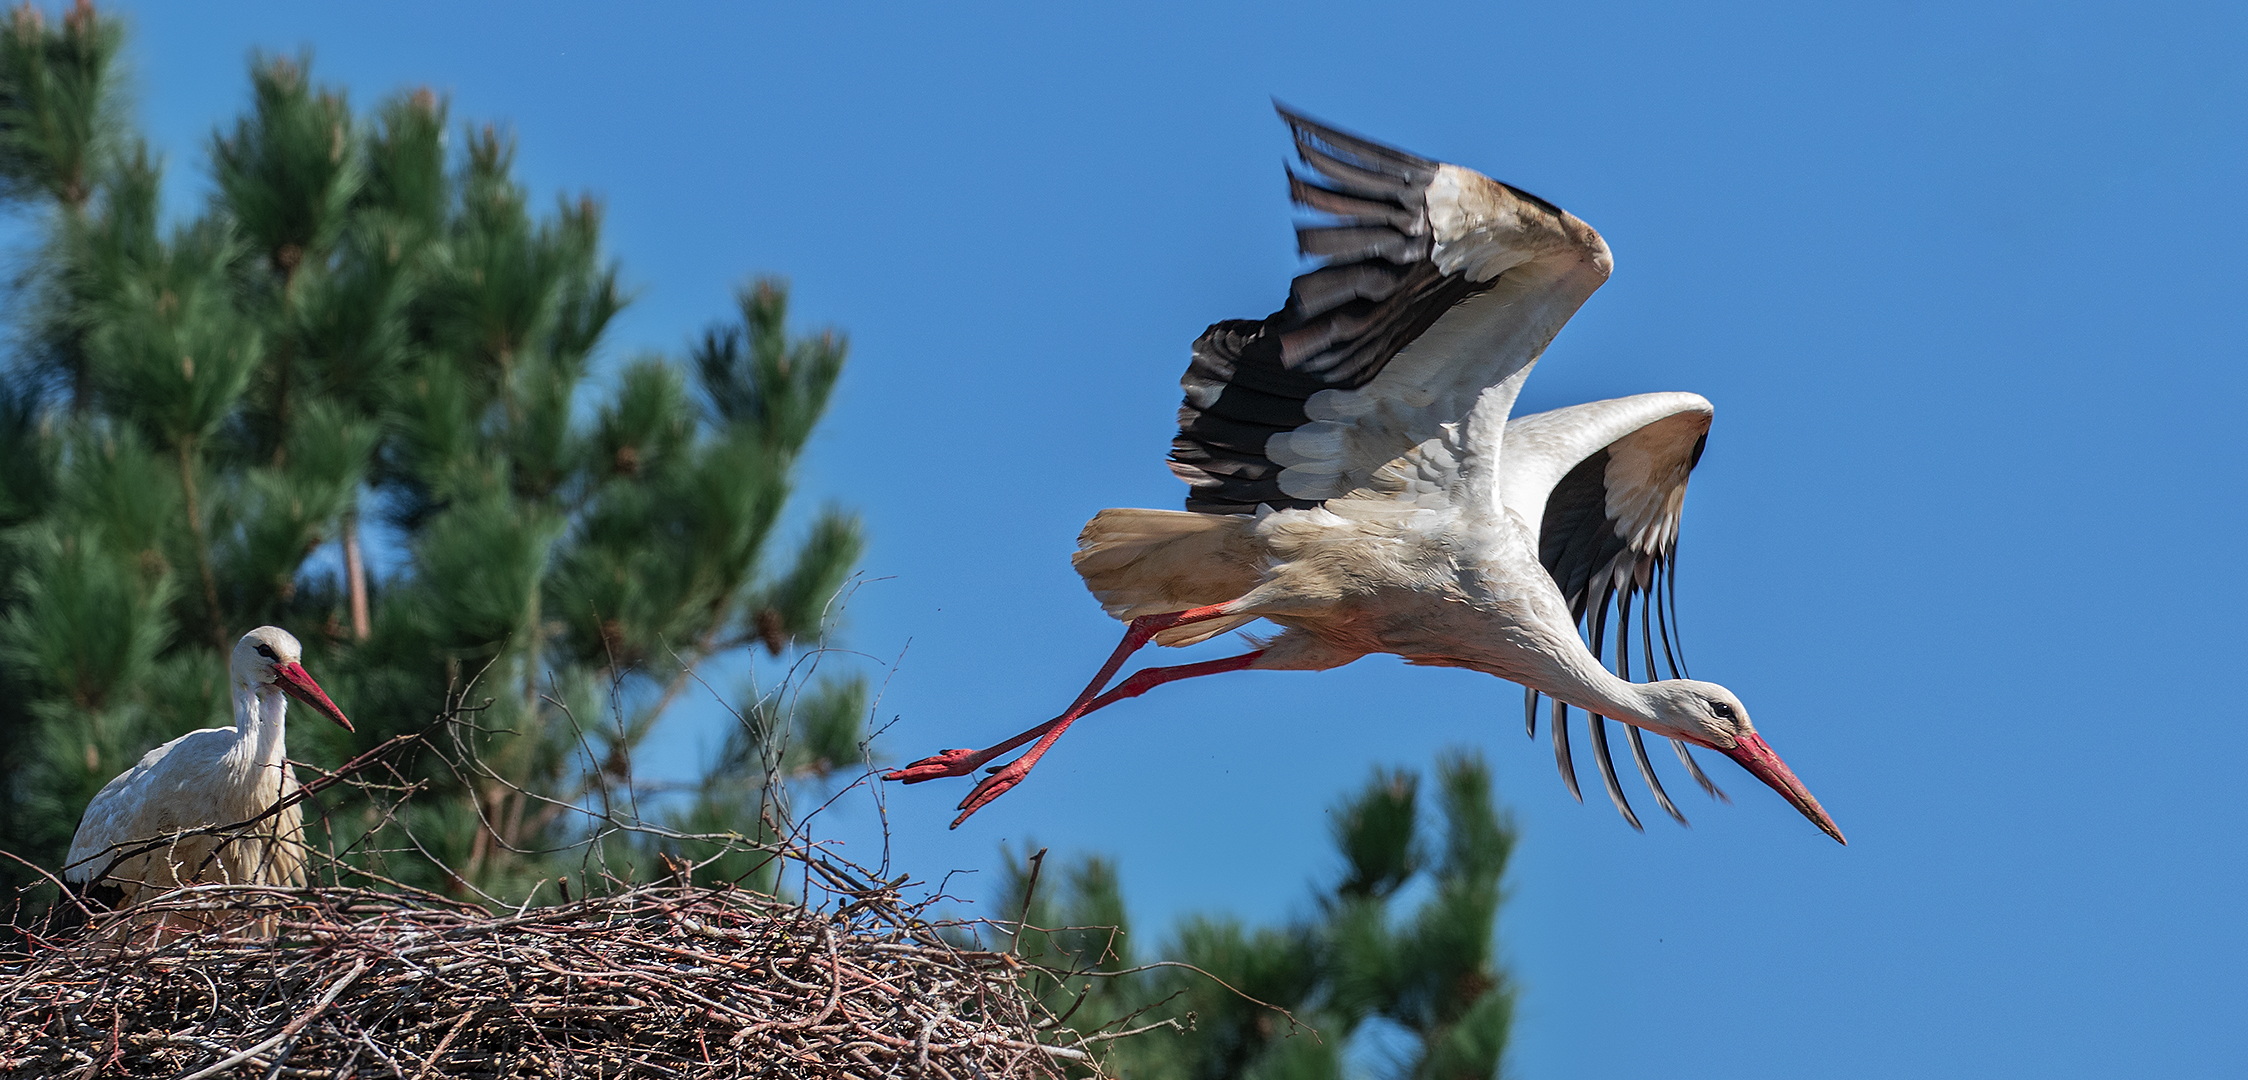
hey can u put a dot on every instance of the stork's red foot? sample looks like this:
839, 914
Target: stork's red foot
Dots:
1002, 780
941, 764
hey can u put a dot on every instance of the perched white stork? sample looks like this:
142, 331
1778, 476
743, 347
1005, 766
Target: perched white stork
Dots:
215, 776
1357, 480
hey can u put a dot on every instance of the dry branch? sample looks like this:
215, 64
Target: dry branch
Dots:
657, 981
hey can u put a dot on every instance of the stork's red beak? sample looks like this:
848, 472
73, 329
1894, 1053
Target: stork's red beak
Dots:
297, 683
1757, 757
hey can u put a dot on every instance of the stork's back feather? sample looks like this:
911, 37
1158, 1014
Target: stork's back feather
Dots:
186, 784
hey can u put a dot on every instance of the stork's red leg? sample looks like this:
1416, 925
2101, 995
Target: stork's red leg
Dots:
1136, 636
965, 762
1142, 681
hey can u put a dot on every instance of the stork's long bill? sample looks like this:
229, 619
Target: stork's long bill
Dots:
297, 683
1757, 757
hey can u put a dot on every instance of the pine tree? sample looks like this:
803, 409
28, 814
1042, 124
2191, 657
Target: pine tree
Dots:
374, 348
1428, 968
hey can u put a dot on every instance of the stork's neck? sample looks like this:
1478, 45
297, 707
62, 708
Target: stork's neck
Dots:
1574, 677
260, 722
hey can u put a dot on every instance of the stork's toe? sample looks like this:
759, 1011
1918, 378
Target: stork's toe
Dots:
1001, 781
941, 764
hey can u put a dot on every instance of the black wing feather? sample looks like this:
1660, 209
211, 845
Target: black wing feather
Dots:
1579, 545
1376, 291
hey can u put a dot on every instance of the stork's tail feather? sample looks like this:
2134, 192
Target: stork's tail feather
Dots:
1154, 562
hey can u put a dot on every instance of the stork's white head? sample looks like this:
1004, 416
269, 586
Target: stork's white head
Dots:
270, 656
1707, 714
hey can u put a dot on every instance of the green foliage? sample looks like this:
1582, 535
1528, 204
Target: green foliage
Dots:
58, 113
1427, 968
373, 347
169, 350
289, 171
755, 374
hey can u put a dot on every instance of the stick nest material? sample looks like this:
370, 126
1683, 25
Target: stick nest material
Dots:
656, 981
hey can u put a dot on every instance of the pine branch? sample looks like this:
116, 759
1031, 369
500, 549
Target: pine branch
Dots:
58, 115
795, 609
757, 377
202, 540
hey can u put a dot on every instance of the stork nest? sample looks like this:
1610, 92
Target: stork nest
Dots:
656, 981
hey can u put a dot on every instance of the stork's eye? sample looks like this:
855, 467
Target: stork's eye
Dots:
1723, 711
267, 652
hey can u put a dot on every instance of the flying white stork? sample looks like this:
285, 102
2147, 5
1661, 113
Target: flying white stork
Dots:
215, 776
1356, 479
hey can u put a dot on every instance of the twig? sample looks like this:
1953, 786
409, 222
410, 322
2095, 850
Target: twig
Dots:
1030, 889
294, 1026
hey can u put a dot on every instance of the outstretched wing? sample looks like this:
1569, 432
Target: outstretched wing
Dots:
1602, 485
1437, 286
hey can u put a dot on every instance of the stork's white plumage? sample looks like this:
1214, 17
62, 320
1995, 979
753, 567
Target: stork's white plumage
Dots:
1356, 478
211, 777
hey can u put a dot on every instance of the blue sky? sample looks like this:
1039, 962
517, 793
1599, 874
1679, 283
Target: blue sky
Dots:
1963, 281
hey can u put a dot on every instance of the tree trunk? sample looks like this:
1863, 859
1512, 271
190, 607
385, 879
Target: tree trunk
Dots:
355, 574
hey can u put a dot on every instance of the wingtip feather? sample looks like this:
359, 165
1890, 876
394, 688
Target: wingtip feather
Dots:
1561, 757
1598, 725
1370, 153
1647, 773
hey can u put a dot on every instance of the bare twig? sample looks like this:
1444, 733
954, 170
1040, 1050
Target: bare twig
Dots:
293, 1026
